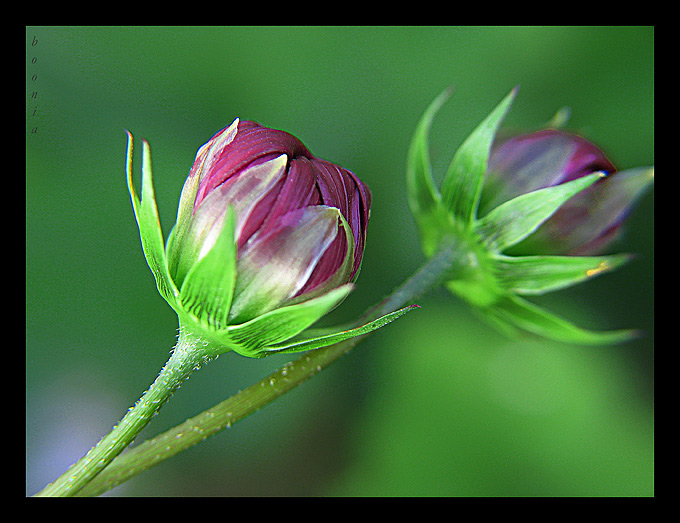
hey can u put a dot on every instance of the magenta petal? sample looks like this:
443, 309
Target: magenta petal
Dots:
252, 144
342, 189
242, 193
272, 180
534, 161
298, 189
589, 223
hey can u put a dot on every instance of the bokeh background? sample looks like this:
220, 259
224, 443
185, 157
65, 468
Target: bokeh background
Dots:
436, 404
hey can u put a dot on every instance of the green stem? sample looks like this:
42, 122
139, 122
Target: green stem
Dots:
247, 401
444, 265
187, 356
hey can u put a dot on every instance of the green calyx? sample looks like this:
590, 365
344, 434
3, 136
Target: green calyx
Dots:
482, 275
203, 299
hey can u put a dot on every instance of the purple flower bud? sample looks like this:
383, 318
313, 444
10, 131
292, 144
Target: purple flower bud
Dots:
586, 224
291, 243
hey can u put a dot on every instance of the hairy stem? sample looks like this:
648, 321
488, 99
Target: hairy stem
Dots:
248, 401
187, 356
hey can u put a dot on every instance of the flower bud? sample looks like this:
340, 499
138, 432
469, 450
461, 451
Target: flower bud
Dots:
289, 208
587, 223
521, 217
268, 240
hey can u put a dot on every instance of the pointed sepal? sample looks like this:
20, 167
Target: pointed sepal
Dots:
330, 339
146, 213
512, 221
462, 185
536, 275
423, 197
281, 324
516, 316
208, 288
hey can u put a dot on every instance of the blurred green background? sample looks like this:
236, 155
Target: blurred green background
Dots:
436, 404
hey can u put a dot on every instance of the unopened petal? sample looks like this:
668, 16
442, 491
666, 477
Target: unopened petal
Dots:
542, 159
600, 213
243, 193
274, 266
204, 157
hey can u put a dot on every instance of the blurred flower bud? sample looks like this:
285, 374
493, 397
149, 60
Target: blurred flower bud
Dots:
521, 217
587, 223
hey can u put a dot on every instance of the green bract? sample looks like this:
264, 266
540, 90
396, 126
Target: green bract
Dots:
483, 273
203, 299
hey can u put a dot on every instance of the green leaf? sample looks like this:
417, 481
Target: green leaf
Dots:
514, 314
514, 220
208, 288
323, 341
279, 325
423, 198
462, 184
150, 231
533, 275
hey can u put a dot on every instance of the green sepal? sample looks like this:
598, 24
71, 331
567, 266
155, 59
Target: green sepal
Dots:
279, 325
516, 316
208, 288
330, 339
423, 197
535, 275
514, 220
146, 213
462, 185
472, 276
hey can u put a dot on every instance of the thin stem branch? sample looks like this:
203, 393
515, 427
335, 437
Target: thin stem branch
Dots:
186, 357
442, 266
248, 401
